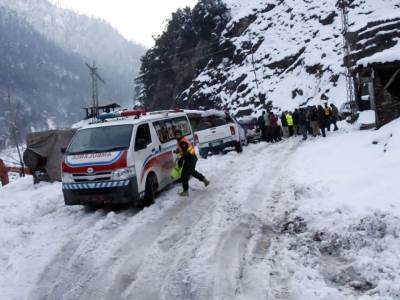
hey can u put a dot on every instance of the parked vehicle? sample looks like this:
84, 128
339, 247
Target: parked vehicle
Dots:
124, 160
214, 131
252, 131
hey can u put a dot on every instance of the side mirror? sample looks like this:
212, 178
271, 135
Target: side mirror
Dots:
140, 144
63, 150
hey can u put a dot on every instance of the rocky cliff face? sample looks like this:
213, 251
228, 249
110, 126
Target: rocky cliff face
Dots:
283, 54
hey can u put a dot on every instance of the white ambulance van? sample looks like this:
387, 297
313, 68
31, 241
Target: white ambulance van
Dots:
126, 158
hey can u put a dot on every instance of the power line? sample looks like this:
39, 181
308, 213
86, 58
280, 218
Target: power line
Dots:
95, 90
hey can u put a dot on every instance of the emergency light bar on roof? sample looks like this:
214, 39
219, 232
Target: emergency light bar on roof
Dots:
133, 113
121, 114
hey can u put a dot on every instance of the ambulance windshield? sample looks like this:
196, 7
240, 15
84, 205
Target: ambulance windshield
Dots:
101, 139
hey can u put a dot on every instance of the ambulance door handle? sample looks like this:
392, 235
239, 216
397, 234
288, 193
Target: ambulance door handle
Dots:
153, 150
159, 148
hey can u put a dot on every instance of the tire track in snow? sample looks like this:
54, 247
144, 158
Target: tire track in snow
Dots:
183, 251
163, 265
248, 282
234, 232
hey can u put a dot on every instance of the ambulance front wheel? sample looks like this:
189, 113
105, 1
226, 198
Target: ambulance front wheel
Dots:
151, 190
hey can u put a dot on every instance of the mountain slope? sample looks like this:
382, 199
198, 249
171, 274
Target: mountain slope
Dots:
43, 55
279, 53
93, 39
47, 84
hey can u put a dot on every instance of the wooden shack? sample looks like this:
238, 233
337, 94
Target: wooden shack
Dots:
378, 88
375, 60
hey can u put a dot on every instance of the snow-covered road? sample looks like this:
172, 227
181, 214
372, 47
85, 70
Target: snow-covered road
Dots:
208, 246
255, 233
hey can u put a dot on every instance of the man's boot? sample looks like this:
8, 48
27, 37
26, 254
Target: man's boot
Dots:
184, 194
206, 182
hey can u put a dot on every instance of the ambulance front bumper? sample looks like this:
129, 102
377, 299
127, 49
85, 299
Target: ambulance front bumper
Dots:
101, 192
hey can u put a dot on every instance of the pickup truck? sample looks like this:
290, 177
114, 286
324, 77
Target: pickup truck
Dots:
214, 131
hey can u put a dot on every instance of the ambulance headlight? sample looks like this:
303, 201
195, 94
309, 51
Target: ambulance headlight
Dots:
67, 178
123, 174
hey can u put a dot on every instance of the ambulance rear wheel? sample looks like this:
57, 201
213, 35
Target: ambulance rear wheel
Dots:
151, 190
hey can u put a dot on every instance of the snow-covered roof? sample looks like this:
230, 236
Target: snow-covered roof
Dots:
387, 56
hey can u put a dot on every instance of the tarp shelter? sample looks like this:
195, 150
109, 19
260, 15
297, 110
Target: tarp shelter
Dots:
44, 151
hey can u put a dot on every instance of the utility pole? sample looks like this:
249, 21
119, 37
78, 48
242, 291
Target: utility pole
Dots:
95, 89
13, 127
252, 60
344, 6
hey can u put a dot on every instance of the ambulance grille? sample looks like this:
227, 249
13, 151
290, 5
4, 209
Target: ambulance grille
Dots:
100, 176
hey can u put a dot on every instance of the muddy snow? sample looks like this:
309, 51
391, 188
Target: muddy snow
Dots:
295, 220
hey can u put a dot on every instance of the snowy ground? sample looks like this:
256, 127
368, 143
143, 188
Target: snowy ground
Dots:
295, 220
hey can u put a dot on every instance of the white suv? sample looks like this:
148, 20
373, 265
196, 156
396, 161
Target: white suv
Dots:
214, 131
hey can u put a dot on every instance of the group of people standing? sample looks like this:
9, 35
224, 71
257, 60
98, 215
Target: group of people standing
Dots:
312, 120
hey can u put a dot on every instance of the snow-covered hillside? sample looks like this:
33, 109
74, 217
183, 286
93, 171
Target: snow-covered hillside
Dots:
91, 38
297, 50
294, 220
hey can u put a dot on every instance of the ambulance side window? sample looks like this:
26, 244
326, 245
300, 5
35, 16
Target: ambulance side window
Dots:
166, 128
182, 124
143, 136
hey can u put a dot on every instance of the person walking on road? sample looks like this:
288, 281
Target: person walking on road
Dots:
321, 120
335, 116
285, 128
187, 161
327, 117
267, 120
302, 121
314, 121
289, 120
275, 129
261, 124
296, 127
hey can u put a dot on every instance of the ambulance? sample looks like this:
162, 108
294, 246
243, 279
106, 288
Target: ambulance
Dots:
124, 158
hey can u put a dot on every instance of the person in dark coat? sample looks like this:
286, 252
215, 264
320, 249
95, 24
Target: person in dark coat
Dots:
335, 116
321, 120
261, 124
268, 128
302, 121
296, 127
187, 162
314, 121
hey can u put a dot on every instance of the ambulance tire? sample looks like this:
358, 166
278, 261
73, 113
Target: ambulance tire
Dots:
151, 190
238, 147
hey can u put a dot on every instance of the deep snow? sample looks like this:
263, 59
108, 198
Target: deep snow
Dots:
296, 220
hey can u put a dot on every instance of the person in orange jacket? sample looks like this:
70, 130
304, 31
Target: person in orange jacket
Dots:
187, 161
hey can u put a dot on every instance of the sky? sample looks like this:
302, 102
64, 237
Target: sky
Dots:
137, 20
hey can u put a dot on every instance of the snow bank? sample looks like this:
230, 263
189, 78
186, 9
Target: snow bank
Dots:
366, 117
346, 187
